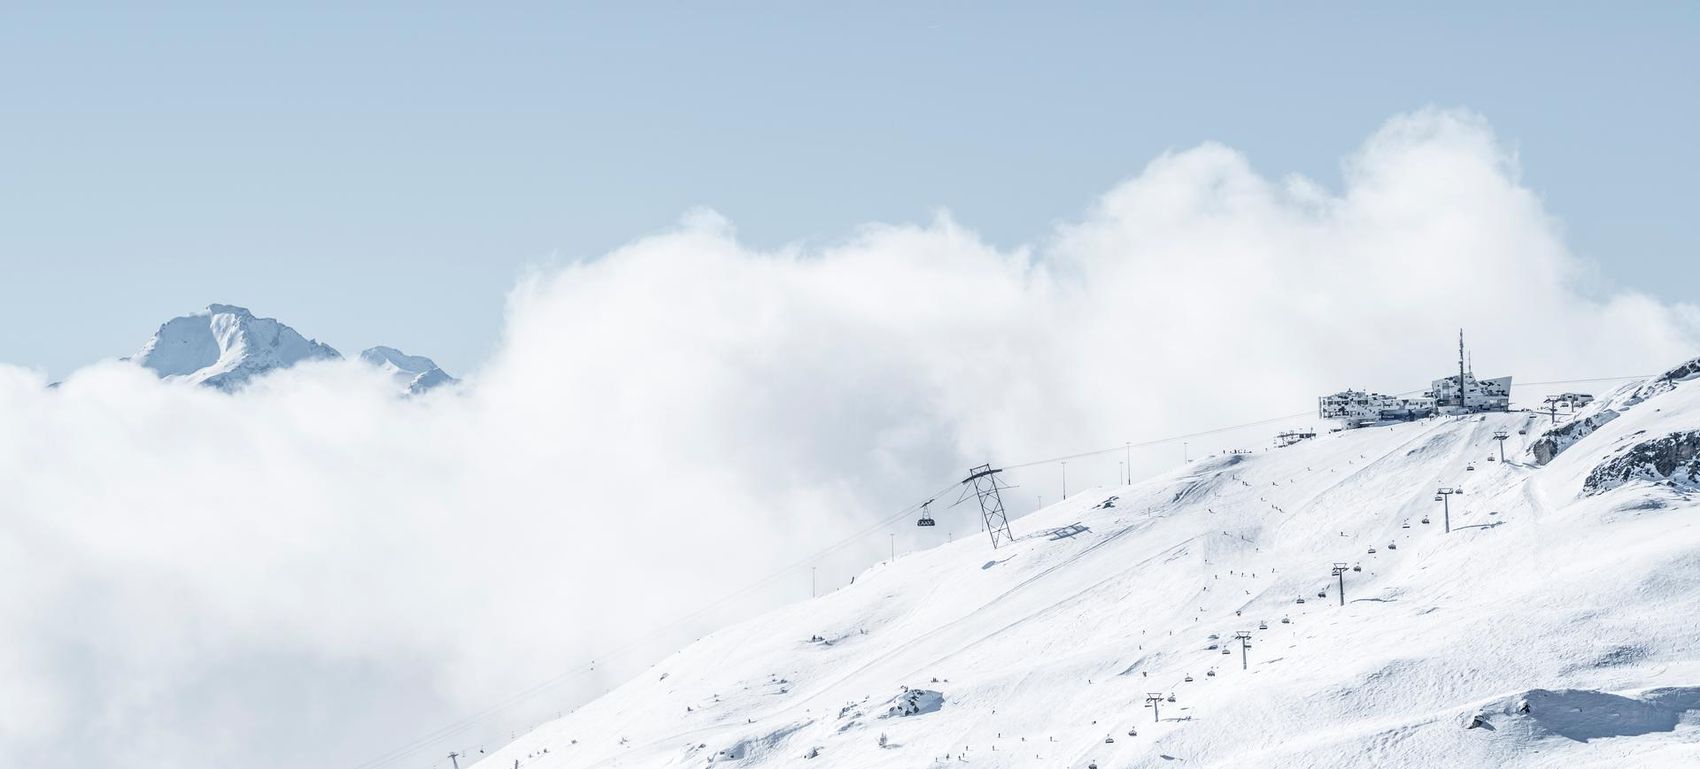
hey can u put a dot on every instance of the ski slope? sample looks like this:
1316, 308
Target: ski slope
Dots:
1550, 628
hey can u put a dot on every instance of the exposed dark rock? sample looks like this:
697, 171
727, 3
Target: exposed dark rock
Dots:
1672, 459
1553, 442
1664, 382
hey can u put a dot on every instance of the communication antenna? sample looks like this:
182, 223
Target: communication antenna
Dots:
1461, 402
983, 480
1339, 573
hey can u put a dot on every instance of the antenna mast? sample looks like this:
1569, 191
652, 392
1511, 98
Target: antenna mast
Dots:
1461, 402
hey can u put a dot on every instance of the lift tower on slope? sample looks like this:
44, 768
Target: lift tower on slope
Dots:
1340, 574
1244, 637
1443, 495
1501, 435
984, 481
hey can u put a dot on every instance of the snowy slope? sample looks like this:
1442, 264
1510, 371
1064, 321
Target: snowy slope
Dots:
411, 373
1562, 621
224, 346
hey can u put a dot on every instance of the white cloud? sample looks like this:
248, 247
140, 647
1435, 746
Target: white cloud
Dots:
311, 571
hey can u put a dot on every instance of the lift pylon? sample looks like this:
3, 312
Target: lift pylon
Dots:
984, 482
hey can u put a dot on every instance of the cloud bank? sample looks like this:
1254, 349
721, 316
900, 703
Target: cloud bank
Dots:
311, 572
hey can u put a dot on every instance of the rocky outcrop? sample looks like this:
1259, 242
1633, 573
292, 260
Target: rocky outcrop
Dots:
1553, 442
1673, 459
914, 702
1664, 382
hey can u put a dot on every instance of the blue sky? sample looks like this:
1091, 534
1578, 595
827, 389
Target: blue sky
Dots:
383, 175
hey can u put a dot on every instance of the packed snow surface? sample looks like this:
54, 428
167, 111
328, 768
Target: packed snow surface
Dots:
1550, 628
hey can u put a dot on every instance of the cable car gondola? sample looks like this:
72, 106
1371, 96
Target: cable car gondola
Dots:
926, 518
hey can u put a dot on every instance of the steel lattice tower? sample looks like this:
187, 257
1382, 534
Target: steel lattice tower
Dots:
984, 481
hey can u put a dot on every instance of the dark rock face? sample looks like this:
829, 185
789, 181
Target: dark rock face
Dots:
1683, 372
1672, 459
1553, 442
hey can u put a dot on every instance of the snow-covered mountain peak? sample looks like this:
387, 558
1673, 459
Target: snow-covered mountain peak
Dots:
412, 373
228, 309
224, 346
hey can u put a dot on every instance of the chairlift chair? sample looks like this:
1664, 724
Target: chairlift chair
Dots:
1470, 466
1392, 546
1188, 679
1425, 519
1226, 651
1171, 696
1286, 621
1357, 567
1301, 600
1322, 594
1210, 673
1262, 626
